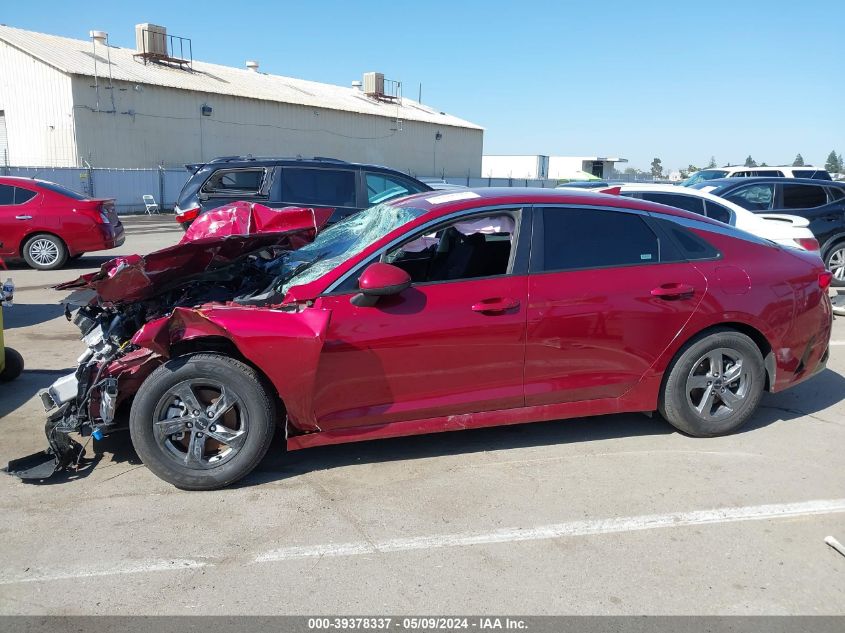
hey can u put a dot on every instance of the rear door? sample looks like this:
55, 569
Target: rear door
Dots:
826, 215
318, 187
607, 295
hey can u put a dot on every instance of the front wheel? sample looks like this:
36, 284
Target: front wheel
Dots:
202, 422
835, 263
714, 385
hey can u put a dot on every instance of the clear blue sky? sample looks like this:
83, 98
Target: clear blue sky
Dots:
678, 80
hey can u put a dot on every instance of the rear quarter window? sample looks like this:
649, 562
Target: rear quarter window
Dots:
235, 181
692, 246
679, 201
803, 196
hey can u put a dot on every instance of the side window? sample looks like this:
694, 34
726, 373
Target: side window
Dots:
592, 238
836, 193
803, 196
23, 195
718, 212
7, 194
769, 173
692, 246
741, 174
753, 197
318, 187
384, 187
679, 201
478, 246
234, 181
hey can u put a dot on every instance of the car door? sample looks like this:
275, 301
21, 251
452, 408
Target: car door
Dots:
826, 216
17, 213
607, 295
453, 343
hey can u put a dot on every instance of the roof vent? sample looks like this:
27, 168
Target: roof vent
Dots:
357, 85
100, 37
252, 66
381, 89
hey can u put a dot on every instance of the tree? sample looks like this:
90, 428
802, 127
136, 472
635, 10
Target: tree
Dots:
750, 162
799, 161
832, 164
690, 169
656, 168
712, 162
841, 164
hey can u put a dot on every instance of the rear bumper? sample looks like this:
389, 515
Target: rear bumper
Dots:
107, 236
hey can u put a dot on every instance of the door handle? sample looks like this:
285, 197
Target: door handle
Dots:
495, 306
23, 217
673, 291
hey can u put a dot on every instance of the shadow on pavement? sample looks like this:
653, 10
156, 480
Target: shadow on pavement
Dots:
825, 390
26, 314
16, 393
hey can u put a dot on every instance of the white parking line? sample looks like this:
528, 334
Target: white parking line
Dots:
462, 539
558, 530
139, 567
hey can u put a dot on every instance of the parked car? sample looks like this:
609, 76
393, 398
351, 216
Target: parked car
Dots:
44, 223
789, 230
782, 171
438, 312
278, 182
820, 202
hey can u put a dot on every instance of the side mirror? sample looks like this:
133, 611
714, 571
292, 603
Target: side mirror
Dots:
380, 280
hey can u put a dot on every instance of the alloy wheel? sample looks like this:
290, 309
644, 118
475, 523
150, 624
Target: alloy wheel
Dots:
836, 263
718, 384
44, 252
200, 424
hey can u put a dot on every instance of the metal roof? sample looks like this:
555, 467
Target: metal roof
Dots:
76, 57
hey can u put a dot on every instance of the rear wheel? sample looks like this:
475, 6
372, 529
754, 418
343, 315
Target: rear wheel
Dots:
45, 252
835, 262
202, 422
714, 385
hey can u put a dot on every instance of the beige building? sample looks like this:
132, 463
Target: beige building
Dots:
67, 102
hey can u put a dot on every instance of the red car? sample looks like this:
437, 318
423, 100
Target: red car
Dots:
437, 312
45, 224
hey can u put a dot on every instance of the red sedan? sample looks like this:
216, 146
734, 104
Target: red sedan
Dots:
438, 312
45, 224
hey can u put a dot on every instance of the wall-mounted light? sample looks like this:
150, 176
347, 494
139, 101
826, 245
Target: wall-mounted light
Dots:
205, 109
438, 136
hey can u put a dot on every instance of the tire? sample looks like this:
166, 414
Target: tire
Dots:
164, 427
45, 252
834, 261
697, 399
13, 367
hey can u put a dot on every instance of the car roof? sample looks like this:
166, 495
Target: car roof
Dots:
264, 161
439, 203
721, 183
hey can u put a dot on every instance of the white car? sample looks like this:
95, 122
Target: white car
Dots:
788, 230
739, 171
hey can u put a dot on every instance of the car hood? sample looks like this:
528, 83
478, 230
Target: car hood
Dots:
215, 240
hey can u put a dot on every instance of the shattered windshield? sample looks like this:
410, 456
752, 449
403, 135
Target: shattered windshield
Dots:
338, 243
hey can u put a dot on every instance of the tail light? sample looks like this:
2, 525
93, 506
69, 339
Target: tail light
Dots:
807, 243
95, 213
824, 279
187, 215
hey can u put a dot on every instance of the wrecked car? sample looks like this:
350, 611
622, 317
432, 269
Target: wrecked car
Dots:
436, 312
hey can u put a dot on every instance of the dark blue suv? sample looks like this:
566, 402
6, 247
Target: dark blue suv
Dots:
280, 182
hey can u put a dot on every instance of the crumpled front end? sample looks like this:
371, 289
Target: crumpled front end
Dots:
228, 259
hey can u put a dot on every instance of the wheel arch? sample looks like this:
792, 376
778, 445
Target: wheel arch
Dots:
830, 242
35, 232
226, 347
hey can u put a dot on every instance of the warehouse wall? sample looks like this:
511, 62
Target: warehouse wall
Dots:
153, 125
39, 118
